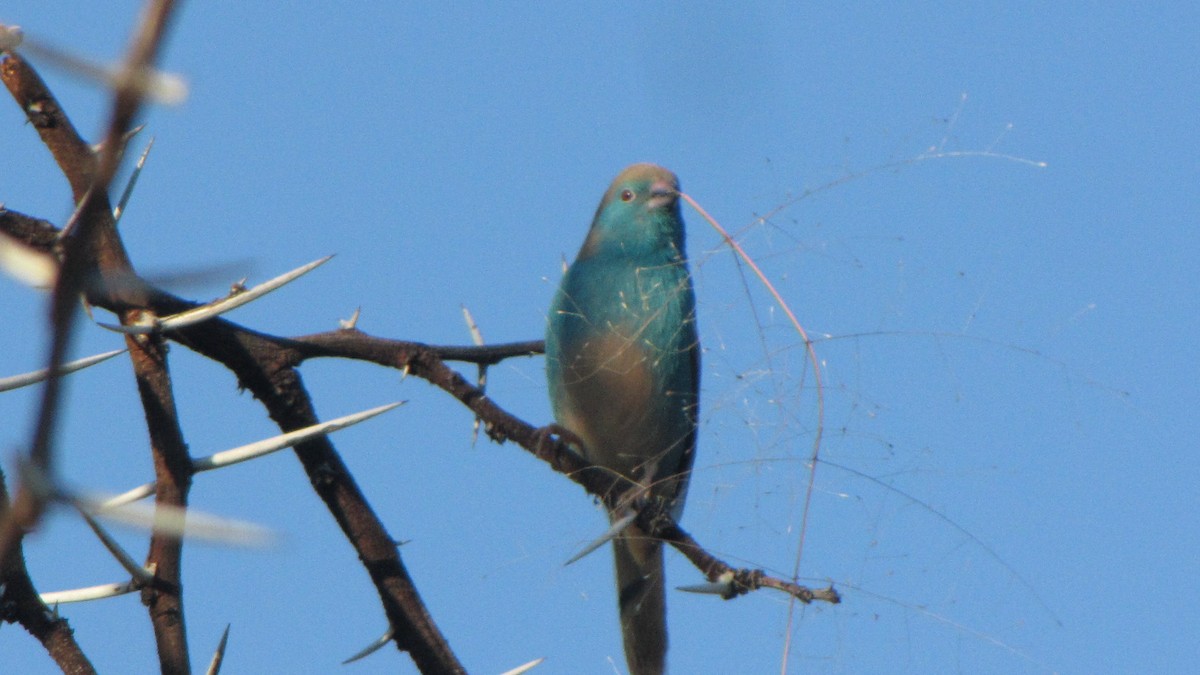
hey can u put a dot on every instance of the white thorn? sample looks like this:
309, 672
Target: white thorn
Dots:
90, 593
525, 668
617, 528
25, 379
371, 648
214, 309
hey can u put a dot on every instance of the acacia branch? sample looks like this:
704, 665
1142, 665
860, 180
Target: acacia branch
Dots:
90, 252
245, 352
73, 154
93, 252
173, 477
426, 362
92, 249
267, 366
20, 603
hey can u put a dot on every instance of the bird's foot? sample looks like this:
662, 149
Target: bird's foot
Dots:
543, 439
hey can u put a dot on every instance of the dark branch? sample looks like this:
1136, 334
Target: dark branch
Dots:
92, 247
487, 355
173, 477
89, 251
20, 603
73, 154
427, 362
424, 361
94, 261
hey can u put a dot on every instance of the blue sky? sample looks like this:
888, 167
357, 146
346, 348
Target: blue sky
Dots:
1009, 373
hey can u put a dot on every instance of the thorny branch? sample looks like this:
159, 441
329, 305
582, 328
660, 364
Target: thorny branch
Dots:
19, 602
428, 362
91, 250
173, 476
267, 366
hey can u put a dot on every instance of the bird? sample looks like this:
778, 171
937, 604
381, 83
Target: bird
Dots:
623, 372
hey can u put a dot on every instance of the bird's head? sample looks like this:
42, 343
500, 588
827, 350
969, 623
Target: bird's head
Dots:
639, 213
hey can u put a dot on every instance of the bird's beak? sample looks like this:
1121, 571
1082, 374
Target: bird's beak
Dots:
662, 193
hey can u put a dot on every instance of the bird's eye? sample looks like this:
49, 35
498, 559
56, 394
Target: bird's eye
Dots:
626, 195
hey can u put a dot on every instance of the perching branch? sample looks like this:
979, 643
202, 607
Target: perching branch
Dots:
428, 362
94, 263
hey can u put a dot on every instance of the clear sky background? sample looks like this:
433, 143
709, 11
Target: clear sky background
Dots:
1008, 351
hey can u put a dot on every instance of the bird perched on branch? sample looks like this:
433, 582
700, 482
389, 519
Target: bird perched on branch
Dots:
622, 362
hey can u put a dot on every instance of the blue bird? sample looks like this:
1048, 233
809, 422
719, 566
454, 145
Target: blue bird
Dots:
623, 367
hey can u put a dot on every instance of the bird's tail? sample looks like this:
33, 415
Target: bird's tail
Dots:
643, 605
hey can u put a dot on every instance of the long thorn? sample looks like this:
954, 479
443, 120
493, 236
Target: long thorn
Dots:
129, 185
617, 528
371, 648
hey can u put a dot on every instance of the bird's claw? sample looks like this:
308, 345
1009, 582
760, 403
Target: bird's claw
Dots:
543, 439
